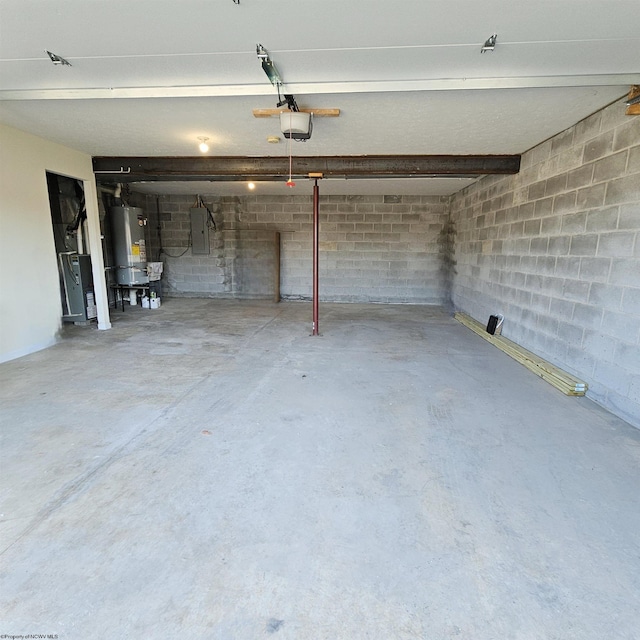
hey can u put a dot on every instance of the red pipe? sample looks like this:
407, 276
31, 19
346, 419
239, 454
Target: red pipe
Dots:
316, 236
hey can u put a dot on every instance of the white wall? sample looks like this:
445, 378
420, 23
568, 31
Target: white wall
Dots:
30, 307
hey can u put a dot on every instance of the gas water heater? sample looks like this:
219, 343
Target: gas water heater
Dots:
129, 250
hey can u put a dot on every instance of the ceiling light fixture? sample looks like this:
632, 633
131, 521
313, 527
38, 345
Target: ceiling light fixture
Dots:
58, 60
490, 43
203, 146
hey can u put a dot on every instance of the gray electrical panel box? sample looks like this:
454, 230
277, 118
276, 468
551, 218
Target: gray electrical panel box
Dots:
199, 231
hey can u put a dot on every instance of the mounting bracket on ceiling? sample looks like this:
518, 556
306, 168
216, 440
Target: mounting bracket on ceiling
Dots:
269, 67
290, 101
490, 43
58, 60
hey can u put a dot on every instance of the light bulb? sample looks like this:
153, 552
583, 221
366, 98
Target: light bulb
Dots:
203, 146
251, 186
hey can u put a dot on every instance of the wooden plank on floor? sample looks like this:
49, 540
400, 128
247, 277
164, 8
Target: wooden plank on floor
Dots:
561, 380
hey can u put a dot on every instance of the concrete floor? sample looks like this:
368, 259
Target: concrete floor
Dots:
209, 470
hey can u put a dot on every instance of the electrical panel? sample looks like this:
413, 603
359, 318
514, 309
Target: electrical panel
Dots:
199, 231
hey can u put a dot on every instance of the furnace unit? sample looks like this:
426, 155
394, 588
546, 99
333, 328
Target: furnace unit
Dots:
79, 304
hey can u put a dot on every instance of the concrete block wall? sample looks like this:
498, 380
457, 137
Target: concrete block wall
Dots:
556, 249
252, 258
372, 248
241, 263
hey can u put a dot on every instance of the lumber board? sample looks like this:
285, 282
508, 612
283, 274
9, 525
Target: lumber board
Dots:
519, 353
522, 355
561, 380
317, 113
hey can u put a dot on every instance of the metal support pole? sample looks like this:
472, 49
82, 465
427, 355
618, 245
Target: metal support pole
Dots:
316, 236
